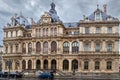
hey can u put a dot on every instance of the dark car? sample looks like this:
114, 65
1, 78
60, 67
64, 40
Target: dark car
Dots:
45, 75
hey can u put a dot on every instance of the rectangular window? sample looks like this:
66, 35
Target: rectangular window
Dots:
109, 29
87, 30
98, 30
97, 49
97, 65
87, 47
109, 65
86, 64
97, 16
109, 47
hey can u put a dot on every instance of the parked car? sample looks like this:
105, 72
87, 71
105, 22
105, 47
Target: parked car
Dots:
46, 75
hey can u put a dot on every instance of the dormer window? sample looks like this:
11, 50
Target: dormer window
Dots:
97, 16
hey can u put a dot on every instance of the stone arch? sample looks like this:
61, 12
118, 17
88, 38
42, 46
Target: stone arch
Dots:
38, 64
45, 64
74, 64
53, 64
53, 46
65, 64
29, 65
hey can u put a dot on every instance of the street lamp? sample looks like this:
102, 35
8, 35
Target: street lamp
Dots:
9, 64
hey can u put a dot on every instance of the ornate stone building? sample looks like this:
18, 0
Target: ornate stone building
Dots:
89, 45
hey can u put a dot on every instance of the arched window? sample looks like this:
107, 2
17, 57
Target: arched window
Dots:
53, 64
86, 65
29, 48
38, 47
17, 64
97, 65
66, 47
75, 47
109, 65
65, 65
23, 64
38, 64
45, 47
55, 31
74, 65
53, 46
29, 65
47, 31
23, 48
45, 64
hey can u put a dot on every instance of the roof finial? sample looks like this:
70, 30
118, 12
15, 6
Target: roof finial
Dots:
53, 6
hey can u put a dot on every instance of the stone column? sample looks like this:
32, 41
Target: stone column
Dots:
26, 64
33, 47
116, 46
70, 48
104, 48
8, 48
41, 64
3, 65
13, 66
49, 64
26, 48
33, 64
20, 65
49, 47
103, 65
81, 46
59, 47
83, 30
79, 65
41, 52
60, 64
70, 65
115, 65
20, 47
91, 65
92, 46
14, 48
82, 65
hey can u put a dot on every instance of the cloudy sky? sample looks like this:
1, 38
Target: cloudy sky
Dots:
68, 10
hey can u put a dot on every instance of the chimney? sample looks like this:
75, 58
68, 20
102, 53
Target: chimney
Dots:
105, 8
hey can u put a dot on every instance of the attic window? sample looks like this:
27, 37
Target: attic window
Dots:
97, 16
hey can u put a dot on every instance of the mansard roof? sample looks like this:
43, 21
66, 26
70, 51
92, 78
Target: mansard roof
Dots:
104, 15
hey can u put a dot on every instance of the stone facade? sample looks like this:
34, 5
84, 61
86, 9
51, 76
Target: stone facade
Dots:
90, 45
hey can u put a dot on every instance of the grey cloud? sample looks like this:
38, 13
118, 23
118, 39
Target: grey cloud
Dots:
68, 10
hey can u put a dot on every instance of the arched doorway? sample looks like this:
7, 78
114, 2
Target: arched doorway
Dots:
53, 64
23, 65
65, 65
74, 64
38, 64
45, 64
29, 65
